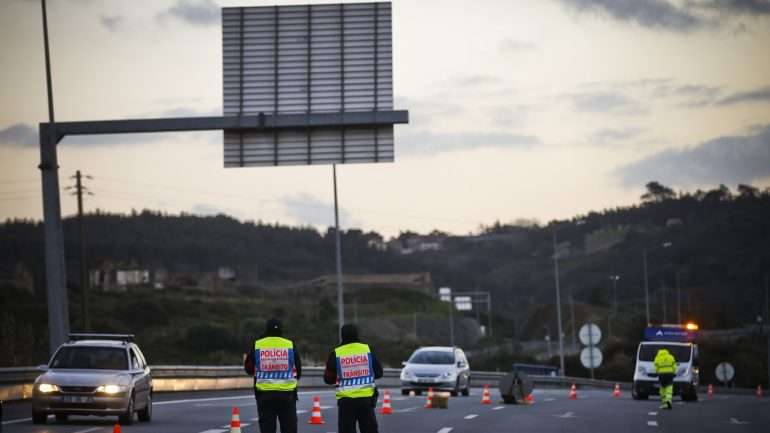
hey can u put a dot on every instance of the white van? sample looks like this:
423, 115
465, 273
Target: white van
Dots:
686, 379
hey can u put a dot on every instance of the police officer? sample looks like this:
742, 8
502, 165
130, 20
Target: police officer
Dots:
665, 367
275, 364
353, 368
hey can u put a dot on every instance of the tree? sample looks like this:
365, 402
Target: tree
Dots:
747, 191
656, 192
719, 194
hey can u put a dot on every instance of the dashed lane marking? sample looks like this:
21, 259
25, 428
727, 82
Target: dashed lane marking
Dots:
735, 421
471, 416
566, 415
214, 430
256, 418
237, 397
301, 411
652, 413
652, 423
326, 407
89, 430
243, 424
399, 398
445, 430
498, 407
408, 409
17, 421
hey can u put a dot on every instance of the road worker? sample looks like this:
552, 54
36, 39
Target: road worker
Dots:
275, 363
352, 367
665, 367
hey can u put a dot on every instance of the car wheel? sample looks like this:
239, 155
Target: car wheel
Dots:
61, 417
145, 414
466, 391
128, 417
404, 392
39, 417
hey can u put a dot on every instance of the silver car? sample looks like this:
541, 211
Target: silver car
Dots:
439, 368
94, 374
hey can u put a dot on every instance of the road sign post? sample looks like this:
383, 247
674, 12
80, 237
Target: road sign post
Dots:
590, 357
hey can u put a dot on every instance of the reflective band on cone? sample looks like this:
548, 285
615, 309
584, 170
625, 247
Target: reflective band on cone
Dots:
485, 398
711, 390
759, 391
235, 421
315, 415
429, 401
386, 409
616, 392
573, 392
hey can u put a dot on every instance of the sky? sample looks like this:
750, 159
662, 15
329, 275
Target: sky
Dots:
531, 109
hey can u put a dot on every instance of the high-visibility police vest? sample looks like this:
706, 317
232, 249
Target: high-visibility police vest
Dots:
664, 363
274, 364
355, 371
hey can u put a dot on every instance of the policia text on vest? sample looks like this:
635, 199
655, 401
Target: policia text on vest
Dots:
275, 363
352, 367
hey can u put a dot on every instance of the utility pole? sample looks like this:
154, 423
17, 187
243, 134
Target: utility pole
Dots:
678, 299
451, 321
84, 281
646, 289
338, 250
663, 288
572, 319
558, 305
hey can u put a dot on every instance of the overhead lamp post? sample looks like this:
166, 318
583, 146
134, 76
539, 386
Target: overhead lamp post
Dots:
614, 309
560, 335
646, 277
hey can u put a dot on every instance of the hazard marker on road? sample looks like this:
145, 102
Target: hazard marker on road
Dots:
616, 391
386, 409
485, 398
573, 392
235, 421
315, 415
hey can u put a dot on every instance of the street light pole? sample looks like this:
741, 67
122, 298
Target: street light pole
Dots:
558, 305
646, 289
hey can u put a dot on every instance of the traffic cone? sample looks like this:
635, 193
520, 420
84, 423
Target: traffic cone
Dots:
485, 398
429, 401
711, 391
759, 391
386, 409
235, 421
573, 392
616, 391
116, 428
529, 399
315, 415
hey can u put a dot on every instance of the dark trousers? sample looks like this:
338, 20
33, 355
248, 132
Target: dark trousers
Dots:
284, 410
356, 410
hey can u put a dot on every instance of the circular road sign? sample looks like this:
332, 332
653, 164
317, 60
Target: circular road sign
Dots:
589, 354
590, 334
725, 372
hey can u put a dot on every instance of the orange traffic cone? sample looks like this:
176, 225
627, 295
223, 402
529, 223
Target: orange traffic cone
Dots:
386, 409
616, 391
315, 415
529, 399
485, 398
710, 391
116, 428
573, 392
759, 391
235, 421
429, 401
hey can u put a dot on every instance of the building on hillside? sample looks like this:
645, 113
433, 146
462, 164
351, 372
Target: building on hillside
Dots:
419, 282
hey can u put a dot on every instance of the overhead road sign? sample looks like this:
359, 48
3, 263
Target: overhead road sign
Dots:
328, 59
670, 333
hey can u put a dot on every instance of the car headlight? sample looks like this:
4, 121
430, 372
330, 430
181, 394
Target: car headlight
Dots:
406, 375
448, 375
47, 388
111, 389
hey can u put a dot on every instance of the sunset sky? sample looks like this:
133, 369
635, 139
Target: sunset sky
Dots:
519, 109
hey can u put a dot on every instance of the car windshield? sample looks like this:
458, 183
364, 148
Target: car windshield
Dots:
432, 357
99, 358
647, 352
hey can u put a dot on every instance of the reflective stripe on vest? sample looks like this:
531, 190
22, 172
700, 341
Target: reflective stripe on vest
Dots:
274, 364
355, 371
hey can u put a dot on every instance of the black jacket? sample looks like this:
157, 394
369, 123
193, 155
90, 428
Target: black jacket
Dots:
249, 362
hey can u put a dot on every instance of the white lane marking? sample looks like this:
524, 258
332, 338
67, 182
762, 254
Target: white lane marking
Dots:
238, 397
498, 407
215, 430
566, 415
445, 430
409, 409
17, 421
471, 416
301, 411
399, 398
652, 423
652, 413
326, 407
735, 421
89, 430
256, 418
227, 426
549, 399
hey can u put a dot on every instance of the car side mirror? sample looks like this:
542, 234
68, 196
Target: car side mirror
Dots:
403, 363
460, 364
42, 367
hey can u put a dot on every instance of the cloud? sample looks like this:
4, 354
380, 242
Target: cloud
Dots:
735, 7
611, 102
512, 46
20, 134
112, 23
306, 209
688, 95
607, 136
756, 96
653, 14
207, 210
728, 159
195, 12
475, 80
506, 116
425, 142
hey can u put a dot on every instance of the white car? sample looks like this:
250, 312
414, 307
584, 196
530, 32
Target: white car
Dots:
440, 368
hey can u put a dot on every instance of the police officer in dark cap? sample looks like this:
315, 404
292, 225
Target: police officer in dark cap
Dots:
275, 363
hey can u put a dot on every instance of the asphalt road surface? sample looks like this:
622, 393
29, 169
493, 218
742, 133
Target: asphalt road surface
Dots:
594, 411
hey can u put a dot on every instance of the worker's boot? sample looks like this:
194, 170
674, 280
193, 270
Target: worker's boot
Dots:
663, 404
